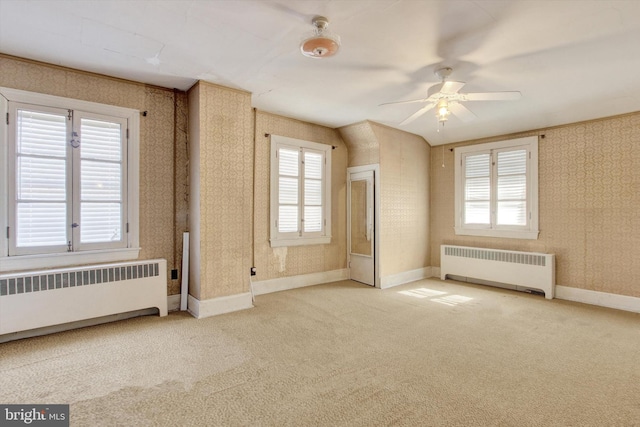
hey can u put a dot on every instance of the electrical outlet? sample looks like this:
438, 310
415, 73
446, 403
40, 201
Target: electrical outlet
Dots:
174, 274
253, 271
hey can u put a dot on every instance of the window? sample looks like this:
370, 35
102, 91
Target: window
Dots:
497, 189
70, 182
300, 192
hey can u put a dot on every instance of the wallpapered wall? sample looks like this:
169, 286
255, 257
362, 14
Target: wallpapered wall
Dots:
404, 201
224, 180
404, 161
363, 145
589, 204
163, 145
273, 263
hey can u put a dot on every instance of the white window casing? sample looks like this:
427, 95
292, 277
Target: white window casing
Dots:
300, 192
496, 189
69, 181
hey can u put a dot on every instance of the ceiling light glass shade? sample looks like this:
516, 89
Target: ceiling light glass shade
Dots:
320, 43
321, 46
443, 111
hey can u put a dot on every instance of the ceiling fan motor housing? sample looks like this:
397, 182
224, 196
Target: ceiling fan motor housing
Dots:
443, 73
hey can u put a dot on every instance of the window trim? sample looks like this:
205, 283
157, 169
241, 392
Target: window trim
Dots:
50, 260
290, 239
531, 231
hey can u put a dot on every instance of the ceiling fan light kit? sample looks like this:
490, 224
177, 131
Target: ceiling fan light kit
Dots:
321, 43
443, 111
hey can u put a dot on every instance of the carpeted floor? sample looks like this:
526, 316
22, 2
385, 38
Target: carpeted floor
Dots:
429, 353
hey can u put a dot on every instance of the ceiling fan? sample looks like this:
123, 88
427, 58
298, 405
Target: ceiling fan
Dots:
445, 96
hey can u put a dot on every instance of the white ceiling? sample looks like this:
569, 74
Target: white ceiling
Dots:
571, 60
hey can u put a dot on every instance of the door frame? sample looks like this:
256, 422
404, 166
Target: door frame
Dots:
376, 218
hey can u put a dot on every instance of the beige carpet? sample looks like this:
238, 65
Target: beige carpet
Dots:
427, 353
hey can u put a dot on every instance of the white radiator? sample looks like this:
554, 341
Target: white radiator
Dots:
30, 300
530, 270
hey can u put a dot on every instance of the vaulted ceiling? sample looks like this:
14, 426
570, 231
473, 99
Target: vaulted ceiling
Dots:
571, 60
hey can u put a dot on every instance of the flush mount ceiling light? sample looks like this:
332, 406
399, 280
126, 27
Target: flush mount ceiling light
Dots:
321, 43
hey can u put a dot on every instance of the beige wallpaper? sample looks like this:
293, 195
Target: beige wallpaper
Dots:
163, 157
225, 149
589, 202
181, 182
194, 191
362, 144
404, 199
273, 263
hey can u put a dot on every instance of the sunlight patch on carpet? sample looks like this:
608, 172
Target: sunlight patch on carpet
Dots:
422, 293
442, 297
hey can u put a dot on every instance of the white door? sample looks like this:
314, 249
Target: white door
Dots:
361, 227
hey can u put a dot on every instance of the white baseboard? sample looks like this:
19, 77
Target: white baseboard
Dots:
603, 299
221, 305
405, 277
173, 302
292, 282
435, 272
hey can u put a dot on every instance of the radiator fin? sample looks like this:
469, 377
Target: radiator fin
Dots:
493, 255
66, 279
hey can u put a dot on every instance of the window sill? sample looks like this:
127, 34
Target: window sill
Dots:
66, 259
506, 234
277, 243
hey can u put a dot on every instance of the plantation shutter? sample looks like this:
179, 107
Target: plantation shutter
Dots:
300, 192
288, 186
101, 179
499, 187
477, 189
41, 167
68, 189
313, 191
511, 203
496, 189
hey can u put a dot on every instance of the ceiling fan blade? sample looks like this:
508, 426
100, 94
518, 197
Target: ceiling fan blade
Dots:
417, 114
462, 112
403, 102
451, 87
434, 90
492, 96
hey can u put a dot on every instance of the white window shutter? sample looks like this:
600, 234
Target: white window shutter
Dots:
313, 162
288, 189
511, 205
101, 180
477, 188
40, 178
